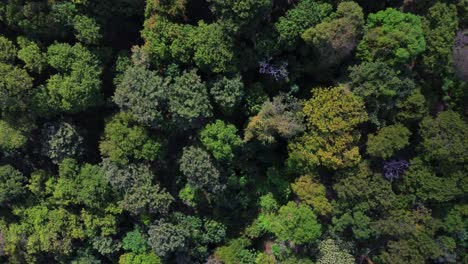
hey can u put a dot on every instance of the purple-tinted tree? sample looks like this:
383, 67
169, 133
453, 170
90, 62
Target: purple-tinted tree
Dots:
395, 168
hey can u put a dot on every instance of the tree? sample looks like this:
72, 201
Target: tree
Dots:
440, 29
382, 89
86, 29
124, 140
227, 93
10, 137
83, 185
132, 258
392, 36
141, 92
280, 117
189, 102
331, 252
32, 56
213, 48
43, 230
196, 165
171, 8
60, 141
296, 223
334, 39
7, 50
134, 241
241, 15
221, 140
16, 88
445, 138
166, 41
412, 109
306, 14
144, 196
236, 251
138, 191
76, 86
331, 116
387, 141
312, 193
426, 184
11, 184
186, 235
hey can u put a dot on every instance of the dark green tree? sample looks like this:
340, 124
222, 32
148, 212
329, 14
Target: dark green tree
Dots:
11, 184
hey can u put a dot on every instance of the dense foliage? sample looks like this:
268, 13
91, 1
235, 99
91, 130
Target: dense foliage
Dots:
234, 131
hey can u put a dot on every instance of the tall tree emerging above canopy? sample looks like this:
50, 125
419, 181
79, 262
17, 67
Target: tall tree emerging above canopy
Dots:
296, 223
332, 115
392, 36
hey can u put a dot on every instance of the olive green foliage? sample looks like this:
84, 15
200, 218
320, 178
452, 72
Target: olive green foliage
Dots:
76, 86
85, 185
280, 117
440, 28
189, 101
445, 138
7, 50
132, 258
213, 48
335, 38
429, 185
312, 193
197, 166
227, 93
136, 184
208, 46
141, 93
392, 36
296, 223
306, 14
31, 54
387, 141
16, 88
144, 196
11, 184
86, 30
331, 116
239, 15
60, 141
413, 108
10, 137
221, 140
235, 252
124, 140
233, 131
382, 89
186, 235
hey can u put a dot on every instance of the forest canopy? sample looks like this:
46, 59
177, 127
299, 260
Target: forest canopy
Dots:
234, 131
